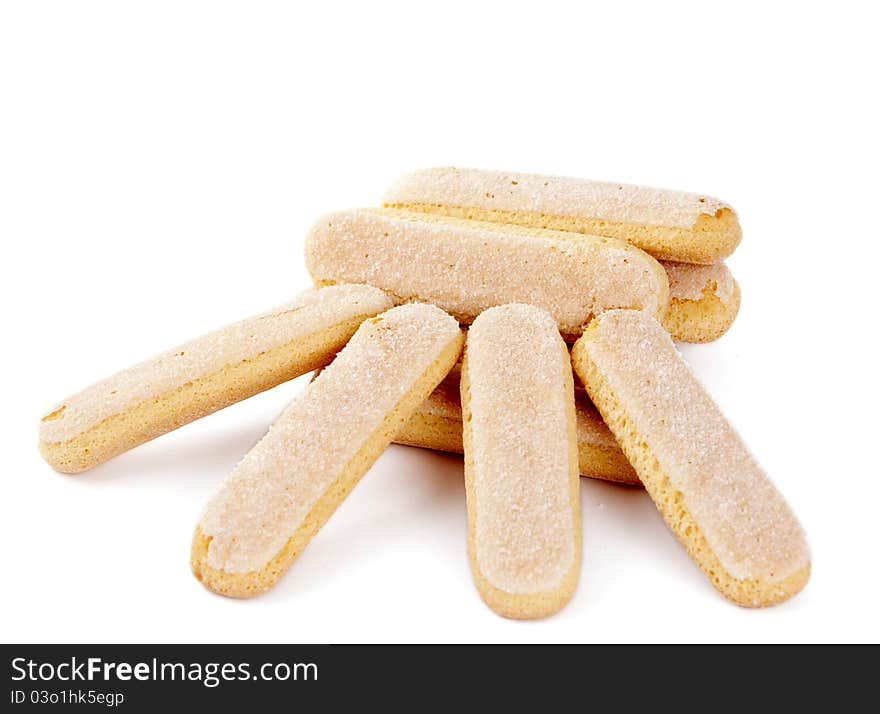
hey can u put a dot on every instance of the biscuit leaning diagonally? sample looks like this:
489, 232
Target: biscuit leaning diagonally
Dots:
670, 225
703, 301
465, 267
437, 425
289, 484
521, 462
708, 486
204, 375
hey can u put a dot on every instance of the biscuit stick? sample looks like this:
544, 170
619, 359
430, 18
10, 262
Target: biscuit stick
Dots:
670, 225
708, 486
521, 462
289, 484
465, 267
703, 301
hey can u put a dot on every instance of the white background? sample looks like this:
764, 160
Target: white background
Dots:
161, 162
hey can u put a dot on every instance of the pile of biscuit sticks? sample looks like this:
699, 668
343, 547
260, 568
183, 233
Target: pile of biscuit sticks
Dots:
553, 277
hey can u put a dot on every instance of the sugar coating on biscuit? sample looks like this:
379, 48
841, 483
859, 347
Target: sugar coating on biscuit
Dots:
311, 311
466, 267
744, 519
275, 486
505, 191
524, 536
688, 281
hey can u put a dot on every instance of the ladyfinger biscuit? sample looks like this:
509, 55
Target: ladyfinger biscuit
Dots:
465, 267
670, 225
290, 483
204, 375
520, 462
708, 486
703, 301
436, 424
